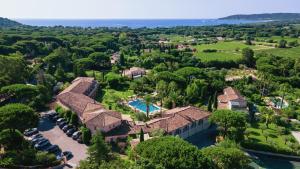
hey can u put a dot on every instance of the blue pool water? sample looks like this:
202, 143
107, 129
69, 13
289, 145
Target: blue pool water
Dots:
141, 105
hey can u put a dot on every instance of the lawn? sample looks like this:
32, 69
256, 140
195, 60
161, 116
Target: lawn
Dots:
274, 143
284, 52
177, 38
227, 51
278, 38
111, 97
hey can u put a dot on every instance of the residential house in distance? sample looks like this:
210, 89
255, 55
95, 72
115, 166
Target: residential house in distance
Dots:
232, 99
135, 72
115, 58
78, 97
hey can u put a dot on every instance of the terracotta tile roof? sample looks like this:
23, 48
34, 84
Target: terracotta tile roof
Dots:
88, 110
80, 85
177, 118
230, 94
135, 71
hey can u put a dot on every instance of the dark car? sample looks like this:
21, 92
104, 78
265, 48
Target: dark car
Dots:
30, 132
53, 149
54, 118
58, 121
76, 135
67, 154
62, 124
44, 144
70, 132
79, 140
37, 140
67, 127
52, 114
39, 135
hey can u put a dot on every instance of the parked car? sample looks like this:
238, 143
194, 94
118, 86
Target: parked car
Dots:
58, 121
67, 127
53, 149
44, 144
67, 154
70, 131
52, 114
30, 132
54, 118
39, 135
79, 140
37, 140
62, 124
76, 135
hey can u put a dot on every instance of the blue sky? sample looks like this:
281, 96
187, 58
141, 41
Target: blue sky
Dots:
141, 9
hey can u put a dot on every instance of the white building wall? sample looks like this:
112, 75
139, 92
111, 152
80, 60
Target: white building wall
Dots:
191, 131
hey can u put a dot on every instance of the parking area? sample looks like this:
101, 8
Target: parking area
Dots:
56, 136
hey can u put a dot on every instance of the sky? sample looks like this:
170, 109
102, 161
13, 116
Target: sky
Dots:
141, 9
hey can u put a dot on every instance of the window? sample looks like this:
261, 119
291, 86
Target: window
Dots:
194, 124
186, 128
178, 131
200, 122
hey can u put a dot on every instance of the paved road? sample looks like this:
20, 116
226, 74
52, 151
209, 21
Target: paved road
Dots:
57, 136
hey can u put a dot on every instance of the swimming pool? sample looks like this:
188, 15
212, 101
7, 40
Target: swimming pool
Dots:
140, 105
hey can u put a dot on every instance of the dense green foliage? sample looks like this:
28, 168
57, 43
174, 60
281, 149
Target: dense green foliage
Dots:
173, 153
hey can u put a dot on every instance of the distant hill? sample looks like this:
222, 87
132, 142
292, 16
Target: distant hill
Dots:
4, 22
266, 16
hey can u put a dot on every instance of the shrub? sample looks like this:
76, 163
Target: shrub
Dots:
86, 135
46, 159
210, 50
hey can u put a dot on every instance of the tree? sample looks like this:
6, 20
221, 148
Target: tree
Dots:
74, 119
231, 123
227, 157
161, 89
284, 89
266, 135
60, 73
122, 59
147, 100
68, 114
166, 152
215, 100
192, 92
209, 105
86, 135
263, 128
248, 57
267, 114
17, 117
11, 140
142, 135
248, 40
98, 151
282, 43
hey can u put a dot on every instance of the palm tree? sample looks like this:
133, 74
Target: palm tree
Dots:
268, 114
284, 89
161, 90
174, 98
147, 100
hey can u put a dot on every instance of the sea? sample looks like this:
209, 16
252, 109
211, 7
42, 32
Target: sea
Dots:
131, 23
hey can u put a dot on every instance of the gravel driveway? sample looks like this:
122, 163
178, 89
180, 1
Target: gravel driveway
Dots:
56, 136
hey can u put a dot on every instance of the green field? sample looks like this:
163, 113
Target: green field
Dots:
177, 38
226, 51
284, 52
277, 38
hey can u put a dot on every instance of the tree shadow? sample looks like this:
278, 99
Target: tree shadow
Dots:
254, 133
45, 124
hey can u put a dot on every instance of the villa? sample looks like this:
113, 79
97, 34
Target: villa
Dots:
115, 58
232, 100
78, 97
183, 121
135, 72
